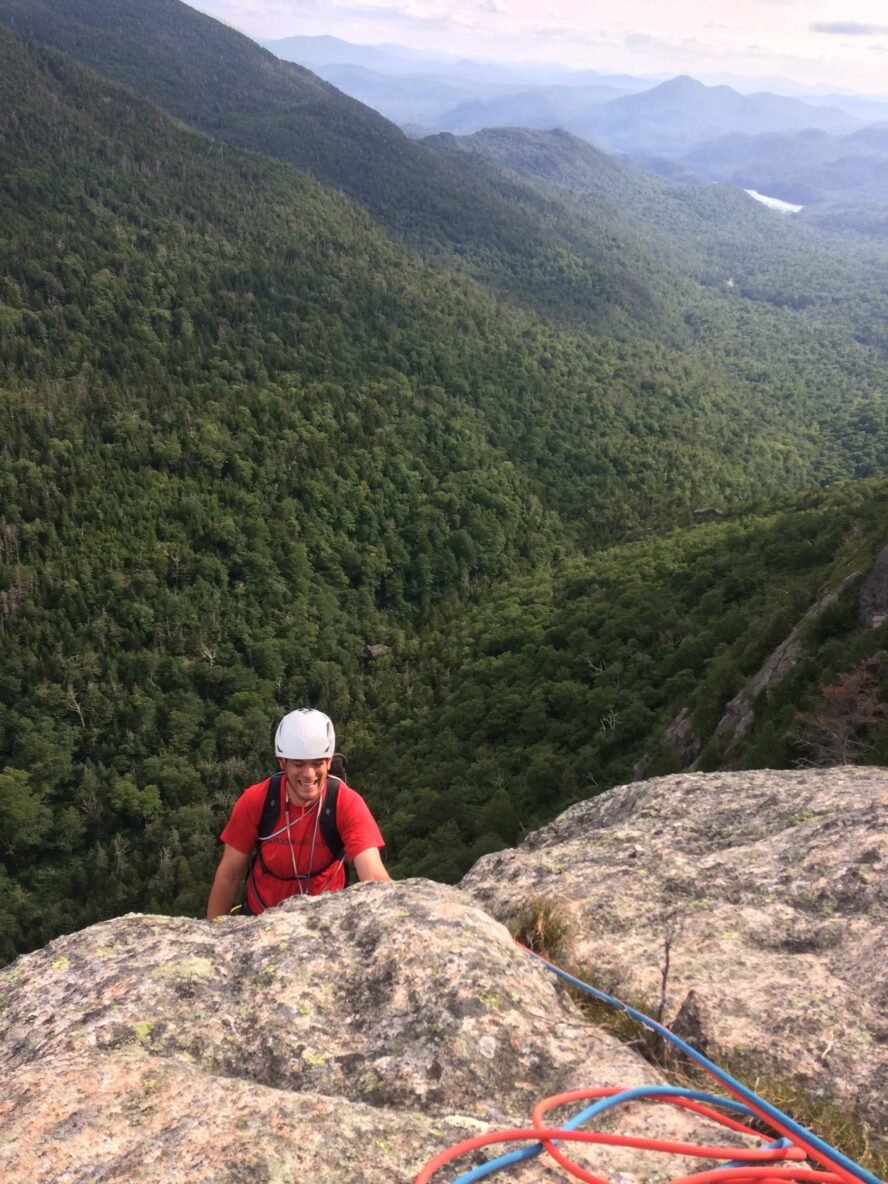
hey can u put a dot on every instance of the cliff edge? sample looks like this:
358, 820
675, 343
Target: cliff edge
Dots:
350, 1037
750, 907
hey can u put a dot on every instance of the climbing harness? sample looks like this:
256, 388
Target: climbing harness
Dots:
739, 1165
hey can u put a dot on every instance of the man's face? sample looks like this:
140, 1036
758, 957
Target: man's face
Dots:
305, 779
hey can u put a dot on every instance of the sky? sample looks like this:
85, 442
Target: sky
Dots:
828, 44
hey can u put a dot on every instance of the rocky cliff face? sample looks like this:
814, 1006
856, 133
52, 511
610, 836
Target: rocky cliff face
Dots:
348, 1038
344, 1038
874, 594
685, 747
760, 897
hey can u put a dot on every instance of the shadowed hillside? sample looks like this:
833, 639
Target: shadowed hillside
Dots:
221, 82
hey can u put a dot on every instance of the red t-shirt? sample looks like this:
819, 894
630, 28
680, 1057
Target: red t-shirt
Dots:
297, 847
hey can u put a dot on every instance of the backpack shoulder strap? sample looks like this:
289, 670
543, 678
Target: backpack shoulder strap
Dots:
329, 830
272, 806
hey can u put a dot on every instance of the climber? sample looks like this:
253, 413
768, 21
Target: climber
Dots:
292, 833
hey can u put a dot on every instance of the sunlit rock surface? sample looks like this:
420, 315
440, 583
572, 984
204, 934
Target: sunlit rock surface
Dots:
340, 1038
770, 890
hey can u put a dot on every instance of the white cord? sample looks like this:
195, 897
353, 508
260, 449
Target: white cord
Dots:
314, 835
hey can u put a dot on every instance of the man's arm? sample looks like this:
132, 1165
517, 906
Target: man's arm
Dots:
369, 865
229, 874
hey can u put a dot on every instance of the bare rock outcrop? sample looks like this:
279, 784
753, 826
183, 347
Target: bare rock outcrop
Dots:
682, 743
739, 716
770, 890
874, 593
680, 739
343, 1038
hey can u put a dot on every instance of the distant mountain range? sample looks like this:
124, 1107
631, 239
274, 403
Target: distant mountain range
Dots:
424, 103
819, 150
464, 96
322, 53
674, 116
805, 167
219, 81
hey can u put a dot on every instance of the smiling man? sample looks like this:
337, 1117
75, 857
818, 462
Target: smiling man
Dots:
292, 833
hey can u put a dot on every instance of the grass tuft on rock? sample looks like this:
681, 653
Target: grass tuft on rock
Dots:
545, 927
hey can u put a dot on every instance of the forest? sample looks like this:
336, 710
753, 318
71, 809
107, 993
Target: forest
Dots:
249, 429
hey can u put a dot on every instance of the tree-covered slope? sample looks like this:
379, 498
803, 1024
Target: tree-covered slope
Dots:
243, 434
799, 318
699, 233
137, 253
556, 687
801, 167
702, 270
842, 181
221, 82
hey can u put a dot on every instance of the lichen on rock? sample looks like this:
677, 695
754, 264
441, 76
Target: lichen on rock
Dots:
344, 1037
351, 1036
770, 889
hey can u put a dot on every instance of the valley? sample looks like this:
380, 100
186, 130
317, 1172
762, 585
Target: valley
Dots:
577, 443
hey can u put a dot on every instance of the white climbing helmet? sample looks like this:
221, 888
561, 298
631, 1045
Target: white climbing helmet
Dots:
305, 735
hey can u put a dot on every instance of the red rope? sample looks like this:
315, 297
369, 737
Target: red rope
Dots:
760, 1163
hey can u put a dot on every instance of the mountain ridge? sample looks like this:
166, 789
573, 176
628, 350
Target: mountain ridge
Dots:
253, 100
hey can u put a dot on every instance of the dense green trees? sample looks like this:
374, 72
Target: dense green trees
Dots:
244, 434
554, 688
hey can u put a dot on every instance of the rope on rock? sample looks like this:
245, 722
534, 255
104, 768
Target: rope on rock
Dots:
757, 1165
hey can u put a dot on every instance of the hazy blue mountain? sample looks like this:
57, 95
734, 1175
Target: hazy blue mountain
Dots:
873, 110
664, 120
317, 53
671, 118
422, 93
541, 107
408, 99
875, 137
444, 102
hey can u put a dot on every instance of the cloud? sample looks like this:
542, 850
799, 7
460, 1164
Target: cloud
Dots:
849, 28
645, 41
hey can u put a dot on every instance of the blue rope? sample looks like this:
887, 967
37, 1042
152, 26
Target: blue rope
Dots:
627, 1095
801, 1132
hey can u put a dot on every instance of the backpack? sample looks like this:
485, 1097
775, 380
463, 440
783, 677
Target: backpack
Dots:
267, 823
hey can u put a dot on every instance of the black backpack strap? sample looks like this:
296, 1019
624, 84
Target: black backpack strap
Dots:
268, 821
329, 830
272, 807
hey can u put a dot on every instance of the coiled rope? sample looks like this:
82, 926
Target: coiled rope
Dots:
759, 1165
